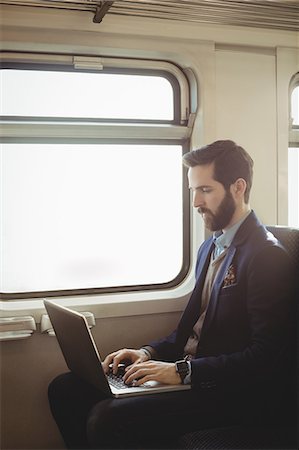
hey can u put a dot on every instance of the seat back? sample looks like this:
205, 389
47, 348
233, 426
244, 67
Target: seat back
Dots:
289, 238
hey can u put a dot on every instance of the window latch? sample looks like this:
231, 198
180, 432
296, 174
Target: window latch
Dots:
87, 63
13, 328
46, 325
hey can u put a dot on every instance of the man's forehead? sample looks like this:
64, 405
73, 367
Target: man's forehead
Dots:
201, 174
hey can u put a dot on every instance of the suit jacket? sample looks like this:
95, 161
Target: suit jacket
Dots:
247, 329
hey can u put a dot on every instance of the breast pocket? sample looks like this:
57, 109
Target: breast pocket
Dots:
229, 290
230, 278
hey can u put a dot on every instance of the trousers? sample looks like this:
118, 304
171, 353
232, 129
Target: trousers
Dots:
87, 419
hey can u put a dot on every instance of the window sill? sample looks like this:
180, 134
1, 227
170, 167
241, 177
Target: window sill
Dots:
109, 305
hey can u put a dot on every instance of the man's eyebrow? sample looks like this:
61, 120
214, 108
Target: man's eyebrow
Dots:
202, 186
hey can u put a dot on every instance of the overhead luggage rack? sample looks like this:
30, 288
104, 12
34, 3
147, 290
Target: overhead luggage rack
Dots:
273, 14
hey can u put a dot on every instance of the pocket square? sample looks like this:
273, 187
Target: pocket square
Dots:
230, 276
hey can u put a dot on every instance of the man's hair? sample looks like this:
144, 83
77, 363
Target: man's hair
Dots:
230, 163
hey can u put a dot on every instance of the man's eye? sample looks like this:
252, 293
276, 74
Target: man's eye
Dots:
206, 190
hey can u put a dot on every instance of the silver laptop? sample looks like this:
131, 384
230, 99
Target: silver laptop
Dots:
83, 359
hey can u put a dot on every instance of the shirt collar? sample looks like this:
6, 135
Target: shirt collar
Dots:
223, 240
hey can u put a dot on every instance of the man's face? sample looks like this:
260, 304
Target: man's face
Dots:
214, 203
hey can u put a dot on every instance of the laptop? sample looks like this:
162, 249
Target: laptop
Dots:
82, 357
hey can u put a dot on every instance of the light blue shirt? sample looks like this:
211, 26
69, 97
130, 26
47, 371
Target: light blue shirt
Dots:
223, 240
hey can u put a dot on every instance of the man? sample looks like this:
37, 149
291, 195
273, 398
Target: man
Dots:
231, 343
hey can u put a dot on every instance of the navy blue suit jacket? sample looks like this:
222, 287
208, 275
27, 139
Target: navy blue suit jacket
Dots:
246, 332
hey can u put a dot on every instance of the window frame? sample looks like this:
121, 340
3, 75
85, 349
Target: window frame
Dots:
71, 63
19, 129
293, 129
293, 134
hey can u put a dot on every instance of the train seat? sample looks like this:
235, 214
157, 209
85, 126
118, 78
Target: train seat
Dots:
250, 436
241, 437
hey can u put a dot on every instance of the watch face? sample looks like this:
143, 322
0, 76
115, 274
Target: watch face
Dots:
182, 367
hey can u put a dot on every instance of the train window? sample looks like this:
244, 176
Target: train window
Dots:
92, 188
80, 216
86, 95
295, 106
293, 158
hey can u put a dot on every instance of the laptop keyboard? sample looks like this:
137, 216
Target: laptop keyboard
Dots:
117, 381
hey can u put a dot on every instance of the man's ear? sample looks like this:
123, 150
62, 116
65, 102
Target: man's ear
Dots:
238, 188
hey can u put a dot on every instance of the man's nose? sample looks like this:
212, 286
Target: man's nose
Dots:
198, 199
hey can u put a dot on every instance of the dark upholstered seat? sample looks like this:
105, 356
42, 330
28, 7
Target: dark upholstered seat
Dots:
241, 437
289, 238
254, 437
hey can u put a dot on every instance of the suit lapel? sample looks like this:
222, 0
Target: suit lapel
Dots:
191, 313
203, 262
217, 286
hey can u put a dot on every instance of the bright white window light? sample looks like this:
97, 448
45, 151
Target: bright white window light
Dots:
295, 106
85, 95
293, 188
87, 216
293, 165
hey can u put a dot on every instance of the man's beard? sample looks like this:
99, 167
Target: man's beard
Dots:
223, 215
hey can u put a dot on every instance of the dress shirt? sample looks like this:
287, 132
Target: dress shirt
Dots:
223, 240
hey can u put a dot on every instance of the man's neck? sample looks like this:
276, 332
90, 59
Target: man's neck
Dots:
239, 214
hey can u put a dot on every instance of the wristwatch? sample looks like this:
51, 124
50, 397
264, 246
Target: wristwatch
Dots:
182, 368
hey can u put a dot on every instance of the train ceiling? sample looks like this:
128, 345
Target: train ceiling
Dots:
273, 14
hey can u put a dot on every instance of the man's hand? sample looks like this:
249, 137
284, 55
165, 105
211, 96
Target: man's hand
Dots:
152, 370
115, 358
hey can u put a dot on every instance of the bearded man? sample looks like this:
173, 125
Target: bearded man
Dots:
231, 344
